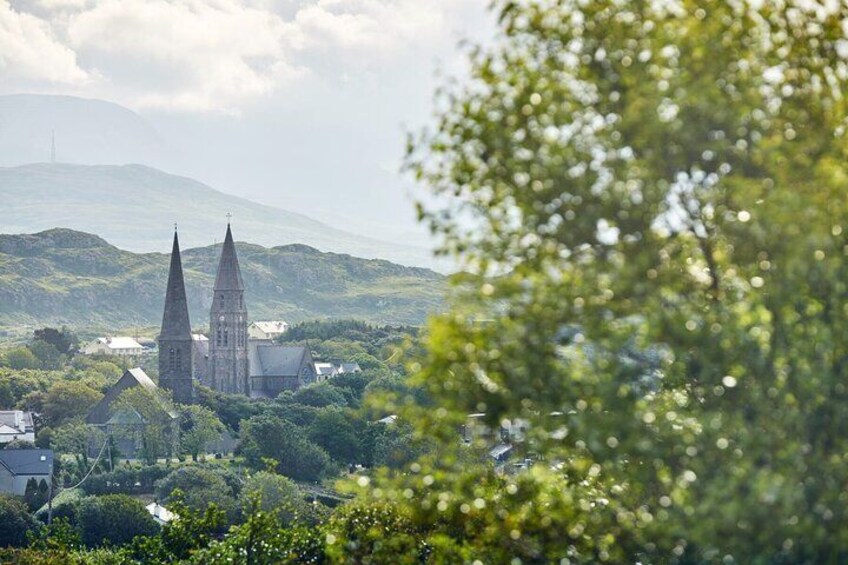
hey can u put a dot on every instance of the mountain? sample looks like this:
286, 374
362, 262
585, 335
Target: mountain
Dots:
135, 206
86, 131
61, 276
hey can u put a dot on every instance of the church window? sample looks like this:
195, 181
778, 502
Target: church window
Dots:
226, 337
172, 358
218, 337
179, 361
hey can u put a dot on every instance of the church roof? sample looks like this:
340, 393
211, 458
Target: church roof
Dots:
278, 360
175, 321
229, 274
102, 412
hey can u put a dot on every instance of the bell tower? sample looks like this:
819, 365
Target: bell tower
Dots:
175, 343
228, 362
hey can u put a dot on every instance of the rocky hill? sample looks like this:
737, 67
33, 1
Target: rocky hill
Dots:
61, 276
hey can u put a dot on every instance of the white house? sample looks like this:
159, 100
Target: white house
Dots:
267, 330
324, 371
16, 424
18, 466
118, 345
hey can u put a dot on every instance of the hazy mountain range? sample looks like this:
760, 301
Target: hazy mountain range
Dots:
91, 186
68, 277
135, 207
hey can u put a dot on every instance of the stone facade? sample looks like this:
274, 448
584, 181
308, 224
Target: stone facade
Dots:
175, 341
228, 359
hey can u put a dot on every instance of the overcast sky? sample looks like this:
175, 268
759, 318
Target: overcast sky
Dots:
301, 104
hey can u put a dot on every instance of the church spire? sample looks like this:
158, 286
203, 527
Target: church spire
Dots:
229, 274
175, 320
175, 341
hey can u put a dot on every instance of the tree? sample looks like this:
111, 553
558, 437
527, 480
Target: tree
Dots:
320, 395
49, 358
276, 495
16, 522
198, 427
21, 358
63, 340
75, 439
152, 417
69, 400
35, 494
266, 437
199, 487
113, 519
647, 200
333, 429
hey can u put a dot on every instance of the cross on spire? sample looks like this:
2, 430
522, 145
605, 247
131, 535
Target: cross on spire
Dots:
229, 217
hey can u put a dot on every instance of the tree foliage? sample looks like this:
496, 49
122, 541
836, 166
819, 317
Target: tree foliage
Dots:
647, 200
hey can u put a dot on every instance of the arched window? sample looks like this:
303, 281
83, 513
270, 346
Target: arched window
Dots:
218, 337
226, 336
172, 358
179, 361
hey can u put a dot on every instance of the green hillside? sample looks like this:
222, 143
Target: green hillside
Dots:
62, 276
134, 207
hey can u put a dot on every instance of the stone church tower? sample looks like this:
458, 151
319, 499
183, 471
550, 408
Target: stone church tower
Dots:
228, 362
175, 343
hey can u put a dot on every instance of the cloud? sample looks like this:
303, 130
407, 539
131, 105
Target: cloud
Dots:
29, 52
209, 55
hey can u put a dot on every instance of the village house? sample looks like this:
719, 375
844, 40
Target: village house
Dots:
19, 466
16, 424
267, 330
118, 345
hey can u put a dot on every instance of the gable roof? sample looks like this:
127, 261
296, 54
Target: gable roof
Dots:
278, 360
102, 412
27, 461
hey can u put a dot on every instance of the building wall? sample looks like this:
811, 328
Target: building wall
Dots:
6, 438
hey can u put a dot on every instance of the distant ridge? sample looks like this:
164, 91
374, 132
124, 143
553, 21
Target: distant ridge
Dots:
134, 207
86, 130
62, 276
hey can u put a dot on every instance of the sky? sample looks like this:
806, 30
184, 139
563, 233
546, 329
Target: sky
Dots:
301, 104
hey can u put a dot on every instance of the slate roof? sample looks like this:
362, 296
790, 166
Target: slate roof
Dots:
229, 274
17, 419
175, 320
27, 461
277, 360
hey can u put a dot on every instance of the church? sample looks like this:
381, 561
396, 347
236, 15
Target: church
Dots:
236, 362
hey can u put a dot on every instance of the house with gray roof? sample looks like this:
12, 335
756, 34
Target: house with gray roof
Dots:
18, 466
16, 424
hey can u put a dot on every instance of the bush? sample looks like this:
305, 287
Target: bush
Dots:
112, 519
200, 487
15, 522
